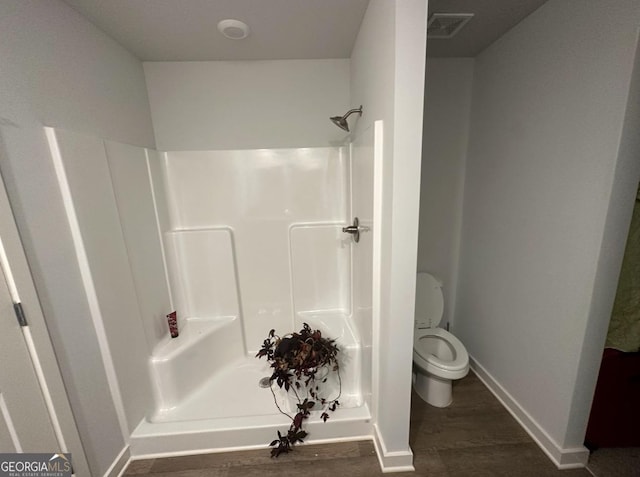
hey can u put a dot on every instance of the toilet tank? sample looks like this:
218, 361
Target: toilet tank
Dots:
429, 301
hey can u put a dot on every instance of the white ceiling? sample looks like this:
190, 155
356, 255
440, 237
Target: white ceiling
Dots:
184, 30
493, 18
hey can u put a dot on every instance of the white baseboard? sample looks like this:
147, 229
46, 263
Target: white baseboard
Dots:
563, 458
119, 464
391, 461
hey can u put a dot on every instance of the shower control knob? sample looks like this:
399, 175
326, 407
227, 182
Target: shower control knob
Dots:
355, 229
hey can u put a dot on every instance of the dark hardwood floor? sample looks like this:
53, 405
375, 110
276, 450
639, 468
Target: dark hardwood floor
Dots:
473, 437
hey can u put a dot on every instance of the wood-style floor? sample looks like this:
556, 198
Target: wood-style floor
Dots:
473, 437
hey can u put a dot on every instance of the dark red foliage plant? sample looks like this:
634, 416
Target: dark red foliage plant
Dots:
301, 363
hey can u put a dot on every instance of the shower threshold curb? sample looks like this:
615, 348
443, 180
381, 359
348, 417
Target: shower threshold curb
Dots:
166, 439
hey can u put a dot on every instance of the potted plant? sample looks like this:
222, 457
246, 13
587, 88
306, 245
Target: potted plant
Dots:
301, 363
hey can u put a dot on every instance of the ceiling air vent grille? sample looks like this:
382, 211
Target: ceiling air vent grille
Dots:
446, 25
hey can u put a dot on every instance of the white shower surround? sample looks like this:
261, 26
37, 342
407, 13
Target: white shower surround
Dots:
204, 382
254, 242
211, 234
264, 197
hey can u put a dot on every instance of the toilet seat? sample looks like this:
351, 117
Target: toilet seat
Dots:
423, 353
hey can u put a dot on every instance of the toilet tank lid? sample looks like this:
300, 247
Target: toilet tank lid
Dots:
429, 301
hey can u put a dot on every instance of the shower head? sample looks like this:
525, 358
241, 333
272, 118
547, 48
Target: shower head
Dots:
341, 121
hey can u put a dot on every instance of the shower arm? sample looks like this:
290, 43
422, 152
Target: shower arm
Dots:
341, 121
351, 111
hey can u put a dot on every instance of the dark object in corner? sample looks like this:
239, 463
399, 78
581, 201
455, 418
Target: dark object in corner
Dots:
173, 324
615, 412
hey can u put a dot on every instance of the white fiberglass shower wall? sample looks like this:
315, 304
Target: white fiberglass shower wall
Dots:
279, 214
254, 241
251, 240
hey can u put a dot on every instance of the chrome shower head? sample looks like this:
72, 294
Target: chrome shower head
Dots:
341, 121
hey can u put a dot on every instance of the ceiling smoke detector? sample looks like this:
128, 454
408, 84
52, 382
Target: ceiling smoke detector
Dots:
446, 25
233, 29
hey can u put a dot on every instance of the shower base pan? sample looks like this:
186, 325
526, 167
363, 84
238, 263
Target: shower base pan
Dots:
219, 405
202, 423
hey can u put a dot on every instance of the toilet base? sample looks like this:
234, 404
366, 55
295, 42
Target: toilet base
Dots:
433, 390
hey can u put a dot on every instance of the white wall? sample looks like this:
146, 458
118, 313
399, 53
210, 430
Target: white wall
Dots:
59, 70
444, 149
387, 78
549, 101
616, 232
247, 104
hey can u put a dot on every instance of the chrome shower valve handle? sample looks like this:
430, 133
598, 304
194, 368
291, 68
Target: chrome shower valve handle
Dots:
355, 229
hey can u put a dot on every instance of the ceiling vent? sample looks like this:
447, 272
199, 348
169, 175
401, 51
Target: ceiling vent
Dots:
446, 25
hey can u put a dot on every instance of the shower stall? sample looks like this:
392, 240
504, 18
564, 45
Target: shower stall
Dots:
218, 188
237, 242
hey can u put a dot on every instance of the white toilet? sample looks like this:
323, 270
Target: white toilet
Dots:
438, 356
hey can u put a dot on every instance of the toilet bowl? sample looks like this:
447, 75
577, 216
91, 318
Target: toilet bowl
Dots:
438, 356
